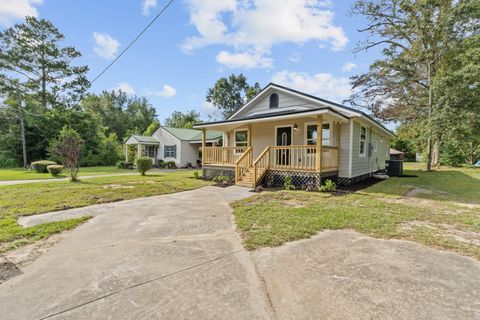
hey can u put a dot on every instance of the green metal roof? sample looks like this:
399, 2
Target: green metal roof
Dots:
192, 134
149, 139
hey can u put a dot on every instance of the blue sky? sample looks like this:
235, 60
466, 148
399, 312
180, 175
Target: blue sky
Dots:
305, 44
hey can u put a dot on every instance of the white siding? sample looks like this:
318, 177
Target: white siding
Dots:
285, 101
167, 139
189, 153
344, 149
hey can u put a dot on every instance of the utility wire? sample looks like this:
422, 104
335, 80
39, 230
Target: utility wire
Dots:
133, 41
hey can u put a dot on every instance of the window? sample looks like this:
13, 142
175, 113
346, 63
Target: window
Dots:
273, 100
241, 138
170, 151
363, 138
312, 134
150, 151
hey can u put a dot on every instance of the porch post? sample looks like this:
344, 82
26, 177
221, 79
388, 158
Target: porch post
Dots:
337, 138
126, 152
204, 141
318, 164
249, 135
139, 150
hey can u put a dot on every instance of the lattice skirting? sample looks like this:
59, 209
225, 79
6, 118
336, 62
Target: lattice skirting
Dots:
301, 180
349, 181
210, 172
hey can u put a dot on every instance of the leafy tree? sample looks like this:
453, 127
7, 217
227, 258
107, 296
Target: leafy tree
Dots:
228, 94
183, 120
31, 54
67, 148
415, 37
152, 128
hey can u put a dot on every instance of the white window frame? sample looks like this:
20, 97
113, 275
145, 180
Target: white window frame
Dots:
283, 126
235, 137
170, 153
305, 129
364, 140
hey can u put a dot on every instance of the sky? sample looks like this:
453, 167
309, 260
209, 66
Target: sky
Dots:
304, 44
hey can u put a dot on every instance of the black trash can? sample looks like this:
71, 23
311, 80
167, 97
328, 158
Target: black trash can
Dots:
394, 168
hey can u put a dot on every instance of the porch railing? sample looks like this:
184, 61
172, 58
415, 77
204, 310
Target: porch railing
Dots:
223, 156
243, 163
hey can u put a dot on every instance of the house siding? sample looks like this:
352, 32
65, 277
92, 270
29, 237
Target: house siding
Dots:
344, 149
285, 101
189, 153
167, 139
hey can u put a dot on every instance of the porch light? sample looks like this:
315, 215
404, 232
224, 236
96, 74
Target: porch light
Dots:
295, 127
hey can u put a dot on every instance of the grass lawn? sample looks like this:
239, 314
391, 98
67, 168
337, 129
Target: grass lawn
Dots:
439, 209
23, 174
35, 198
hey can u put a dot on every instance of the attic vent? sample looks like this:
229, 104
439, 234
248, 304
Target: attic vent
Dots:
273, 100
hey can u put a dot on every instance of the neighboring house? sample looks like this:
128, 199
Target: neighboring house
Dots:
396, 154
277, 134
184, 146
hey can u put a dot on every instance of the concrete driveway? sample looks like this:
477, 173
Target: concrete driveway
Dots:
178, 257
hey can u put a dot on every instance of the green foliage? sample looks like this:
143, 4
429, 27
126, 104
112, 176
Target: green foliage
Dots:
179, 119
229, 94
287, 184
161, 163
329, 186
196, 174
143, 165
222, 180
41, 166
6, 161
170, 165
67, 148
55, 169
152, 128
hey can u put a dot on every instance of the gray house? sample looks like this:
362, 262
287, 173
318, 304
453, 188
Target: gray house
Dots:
183, 146
283, 132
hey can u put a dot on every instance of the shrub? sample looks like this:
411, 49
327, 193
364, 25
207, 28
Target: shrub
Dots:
170, 164
161, 163
121, 164
55, 169
221, 180
196, 174
41, 166
287, 184
7, 162
67, 147
329, 186
144, 164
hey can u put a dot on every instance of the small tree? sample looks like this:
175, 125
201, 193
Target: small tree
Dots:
144, 164
67, 149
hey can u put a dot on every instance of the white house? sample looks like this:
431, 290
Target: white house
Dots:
173, 144
283, 132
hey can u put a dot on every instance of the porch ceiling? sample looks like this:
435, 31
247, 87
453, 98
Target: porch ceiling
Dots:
227, 125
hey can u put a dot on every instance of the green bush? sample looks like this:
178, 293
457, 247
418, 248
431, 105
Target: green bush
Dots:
287, 184
144, 164
196, 174
161, 163
7, 162
170, 164
120, 164
222, 180
55, 169
329, 186
41, 166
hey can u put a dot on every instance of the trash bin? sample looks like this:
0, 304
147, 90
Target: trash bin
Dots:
394, 168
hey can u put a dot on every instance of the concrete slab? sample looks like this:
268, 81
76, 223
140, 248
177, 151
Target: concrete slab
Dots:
347, 275
172, 256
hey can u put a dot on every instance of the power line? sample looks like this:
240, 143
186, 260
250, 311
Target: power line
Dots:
133, 41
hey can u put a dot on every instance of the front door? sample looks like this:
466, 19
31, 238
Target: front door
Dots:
284, 138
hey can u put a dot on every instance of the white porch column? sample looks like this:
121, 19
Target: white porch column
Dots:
126, 152
139, 150
318, 164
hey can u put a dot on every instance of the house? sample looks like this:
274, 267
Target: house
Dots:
396, 154
184, 146
283, 132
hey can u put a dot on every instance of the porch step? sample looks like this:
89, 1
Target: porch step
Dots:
244, 184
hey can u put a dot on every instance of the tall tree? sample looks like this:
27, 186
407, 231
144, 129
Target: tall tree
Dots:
31, 53
183, 120
415, 36
228, 94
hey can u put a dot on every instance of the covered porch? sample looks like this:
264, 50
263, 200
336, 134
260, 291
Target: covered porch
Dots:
307, 143
146, 146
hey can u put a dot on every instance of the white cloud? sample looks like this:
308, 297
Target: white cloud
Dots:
294, 57
106, 46
148, 5
243, 60
349, 66
323, 85
14, 10
125, 87
166, 92
257, 25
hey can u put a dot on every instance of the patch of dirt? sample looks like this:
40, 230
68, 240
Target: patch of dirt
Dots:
117, 186
414, 191
466, 236
11, 262
293, 204
456, 208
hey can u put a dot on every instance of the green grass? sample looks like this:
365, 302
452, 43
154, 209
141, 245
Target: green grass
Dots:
36, 198
23, 174
273, 218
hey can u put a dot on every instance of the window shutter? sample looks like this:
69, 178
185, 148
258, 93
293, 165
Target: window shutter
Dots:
164, 151
175, 151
